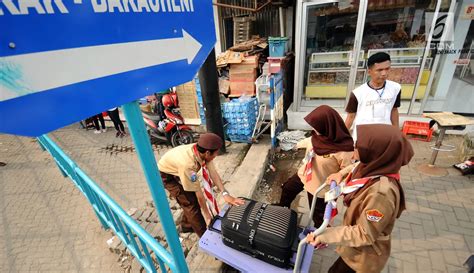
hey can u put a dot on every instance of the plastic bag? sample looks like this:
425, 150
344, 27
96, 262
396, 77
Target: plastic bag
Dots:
289, 139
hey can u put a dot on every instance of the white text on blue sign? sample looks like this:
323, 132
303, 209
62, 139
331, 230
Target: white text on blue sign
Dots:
25, 7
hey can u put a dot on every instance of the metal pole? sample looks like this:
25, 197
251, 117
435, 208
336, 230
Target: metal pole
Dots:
354, 61
152, 174
282, 22
425, 55
210, 96
300, 49
439, 141
434, 66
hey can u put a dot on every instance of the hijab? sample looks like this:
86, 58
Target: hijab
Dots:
333, 134
383, 150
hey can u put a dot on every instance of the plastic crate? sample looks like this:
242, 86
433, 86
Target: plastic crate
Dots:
241, 116
278, 46
243, 27
274, 64
240, 138
418, 129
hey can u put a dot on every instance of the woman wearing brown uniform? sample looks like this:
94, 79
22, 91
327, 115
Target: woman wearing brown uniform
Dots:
328, 150
376, 201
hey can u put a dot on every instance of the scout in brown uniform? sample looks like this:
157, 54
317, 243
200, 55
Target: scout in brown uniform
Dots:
328, 150
375, 202
179, 169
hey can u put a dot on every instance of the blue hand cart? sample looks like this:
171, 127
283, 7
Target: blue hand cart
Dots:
211, 243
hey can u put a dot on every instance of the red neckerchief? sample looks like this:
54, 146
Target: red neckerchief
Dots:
308, 170
353, 185
207, 184
360, 182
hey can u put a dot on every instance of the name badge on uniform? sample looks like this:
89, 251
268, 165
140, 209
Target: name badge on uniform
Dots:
193, 176
374, 215
379, 110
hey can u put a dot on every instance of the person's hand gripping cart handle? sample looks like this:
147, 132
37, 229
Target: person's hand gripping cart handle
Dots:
333, 194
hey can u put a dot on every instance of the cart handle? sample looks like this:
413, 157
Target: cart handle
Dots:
327, 218
313, 203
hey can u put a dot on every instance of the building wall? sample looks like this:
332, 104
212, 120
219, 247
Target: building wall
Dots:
266, 23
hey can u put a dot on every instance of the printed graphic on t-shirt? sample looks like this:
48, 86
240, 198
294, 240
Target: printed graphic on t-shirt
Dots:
379, 101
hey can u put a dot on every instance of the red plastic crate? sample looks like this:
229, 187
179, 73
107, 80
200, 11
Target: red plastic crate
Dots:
419, 129
274, 64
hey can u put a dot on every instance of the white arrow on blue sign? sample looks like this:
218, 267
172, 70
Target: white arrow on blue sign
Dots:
63, 61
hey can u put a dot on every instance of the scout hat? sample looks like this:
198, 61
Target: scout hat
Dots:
210, 141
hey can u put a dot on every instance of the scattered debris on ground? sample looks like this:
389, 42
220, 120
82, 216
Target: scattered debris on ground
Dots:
148, 218
284, 165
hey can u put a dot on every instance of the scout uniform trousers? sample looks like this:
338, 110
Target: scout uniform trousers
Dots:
291, 188
192, 217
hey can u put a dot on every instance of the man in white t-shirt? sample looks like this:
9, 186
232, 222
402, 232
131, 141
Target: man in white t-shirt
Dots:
376, 101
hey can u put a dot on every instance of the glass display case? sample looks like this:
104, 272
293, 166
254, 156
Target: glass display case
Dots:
405, 66
331, 69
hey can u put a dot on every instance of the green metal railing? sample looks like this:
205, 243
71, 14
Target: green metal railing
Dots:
111, 215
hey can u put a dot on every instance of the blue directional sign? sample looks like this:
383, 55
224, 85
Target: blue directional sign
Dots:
62, 61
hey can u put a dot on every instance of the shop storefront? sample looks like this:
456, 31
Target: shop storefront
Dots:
431, 59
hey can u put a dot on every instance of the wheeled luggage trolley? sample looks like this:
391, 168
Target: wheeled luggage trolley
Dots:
211, 243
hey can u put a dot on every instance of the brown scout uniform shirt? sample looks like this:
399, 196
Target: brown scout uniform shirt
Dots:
182, 162
323, 166
364, 239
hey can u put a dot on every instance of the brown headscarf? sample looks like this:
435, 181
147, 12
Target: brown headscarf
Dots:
334, 135
382, 150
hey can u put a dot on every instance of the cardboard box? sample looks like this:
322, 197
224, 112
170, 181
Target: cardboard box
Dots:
224, 86
251, 61
188, 100
238, 89
247, 64
243, 75
235, 57
235, 69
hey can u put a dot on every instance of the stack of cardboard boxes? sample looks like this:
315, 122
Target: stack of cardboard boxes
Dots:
188, 103
242, 77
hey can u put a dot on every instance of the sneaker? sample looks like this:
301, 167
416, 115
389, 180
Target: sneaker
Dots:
104, 130
97, 132
118, 134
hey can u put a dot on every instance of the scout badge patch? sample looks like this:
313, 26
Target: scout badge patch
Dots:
193, 177
374, 215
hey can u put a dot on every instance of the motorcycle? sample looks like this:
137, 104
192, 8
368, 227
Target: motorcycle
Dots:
165, 122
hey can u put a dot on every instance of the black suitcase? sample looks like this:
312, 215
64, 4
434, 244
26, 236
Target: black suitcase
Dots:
264, 231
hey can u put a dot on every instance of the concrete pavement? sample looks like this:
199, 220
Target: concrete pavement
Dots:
46, 224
